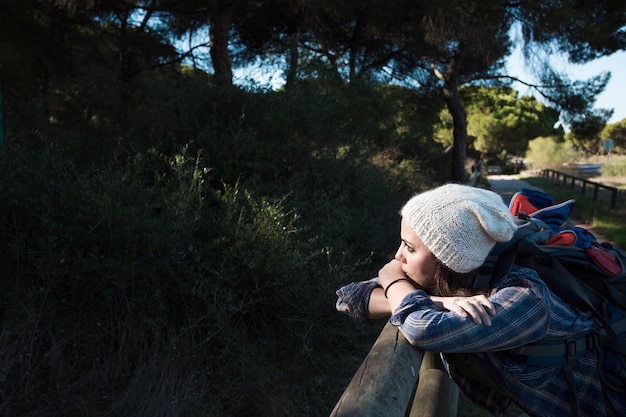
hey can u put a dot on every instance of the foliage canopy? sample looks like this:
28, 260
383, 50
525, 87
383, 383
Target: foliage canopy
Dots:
172, 242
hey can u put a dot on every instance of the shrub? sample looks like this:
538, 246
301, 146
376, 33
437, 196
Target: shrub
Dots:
614, 167
177, 269
548, 152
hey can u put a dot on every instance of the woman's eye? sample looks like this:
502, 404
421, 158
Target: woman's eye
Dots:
408, 248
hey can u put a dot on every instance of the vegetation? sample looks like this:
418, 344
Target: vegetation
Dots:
615, 132
427, 46
614, 167
549, 152
180, 271
500, 123
170, 242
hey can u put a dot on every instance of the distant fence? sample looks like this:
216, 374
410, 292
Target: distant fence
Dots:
397, 379
582, 184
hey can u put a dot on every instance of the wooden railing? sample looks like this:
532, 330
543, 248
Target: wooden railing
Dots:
398, 380
563, 178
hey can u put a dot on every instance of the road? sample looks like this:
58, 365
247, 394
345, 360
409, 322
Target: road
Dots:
507, 185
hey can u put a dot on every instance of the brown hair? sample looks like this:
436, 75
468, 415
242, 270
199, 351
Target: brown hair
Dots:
449, 283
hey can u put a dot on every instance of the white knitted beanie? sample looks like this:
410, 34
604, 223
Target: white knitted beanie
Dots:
459, 224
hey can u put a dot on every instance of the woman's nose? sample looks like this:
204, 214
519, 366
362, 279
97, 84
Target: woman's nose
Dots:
399, 255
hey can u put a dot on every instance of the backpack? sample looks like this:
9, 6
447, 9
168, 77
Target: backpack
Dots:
582, 271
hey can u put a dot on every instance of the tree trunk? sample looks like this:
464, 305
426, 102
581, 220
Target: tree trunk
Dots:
458, 113
459, 131
220, 20
292, 62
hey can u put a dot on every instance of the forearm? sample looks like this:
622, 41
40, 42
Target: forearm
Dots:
378, 307
521, 318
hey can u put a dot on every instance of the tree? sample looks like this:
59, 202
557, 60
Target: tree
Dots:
617, 133
129, 43
549, 152
67, 50
272, 29
503, 123
468, 41
32, 47
456, 41
461, 41
567, 25
220, 17
344, 42
579, 31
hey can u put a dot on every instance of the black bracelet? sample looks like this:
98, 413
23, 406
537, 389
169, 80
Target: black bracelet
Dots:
396, 281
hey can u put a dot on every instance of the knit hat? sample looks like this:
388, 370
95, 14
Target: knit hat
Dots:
459, 224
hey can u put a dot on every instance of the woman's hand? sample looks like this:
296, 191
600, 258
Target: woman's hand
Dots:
396, 284
477, 307
390, 272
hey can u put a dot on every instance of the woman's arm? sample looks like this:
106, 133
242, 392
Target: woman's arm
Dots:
378, 307
396, 285
477, 307
521, 317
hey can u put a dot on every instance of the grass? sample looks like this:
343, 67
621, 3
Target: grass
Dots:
609, 222
618, 181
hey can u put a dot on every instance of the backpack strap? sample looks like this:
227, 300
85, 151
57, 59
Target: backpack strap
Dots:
502, 257
565, 352
561, 352
556, 276
571, 383
495, 266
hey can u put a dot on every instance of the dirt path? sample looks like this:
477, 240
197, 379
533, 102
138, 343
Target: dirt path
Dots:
507, 185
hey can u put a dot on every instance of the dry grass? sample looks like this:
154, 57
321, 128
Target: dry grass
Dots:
618, 182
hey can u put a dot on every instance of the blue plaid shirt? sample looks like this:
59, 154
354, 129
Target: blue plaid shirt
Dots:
527, 311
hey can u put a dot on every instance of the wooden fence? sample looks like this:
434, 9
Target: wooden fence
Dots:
397, 379
582, 184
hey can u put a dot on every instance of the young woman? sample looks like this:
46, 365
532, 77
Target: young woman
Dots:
446, 234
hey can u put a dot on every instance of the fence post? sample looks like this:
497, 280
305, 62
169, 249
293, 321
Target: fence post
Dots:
436, 395
1, 119
555, 176
613, 197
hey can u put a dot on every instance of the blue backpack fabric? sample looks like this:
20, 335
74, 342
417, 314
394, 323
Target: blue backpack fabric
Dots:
564, 255
582, 271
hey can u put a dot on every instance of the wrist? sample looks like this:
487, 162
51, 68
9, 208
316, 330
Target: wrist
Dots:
397, 281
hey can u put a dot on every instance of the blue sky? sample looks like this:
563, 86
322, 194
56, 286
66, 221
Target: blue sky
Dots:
613, 97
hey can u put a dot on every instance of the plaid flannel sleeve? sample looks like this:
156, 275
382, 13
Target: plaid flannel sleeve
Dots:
353, 299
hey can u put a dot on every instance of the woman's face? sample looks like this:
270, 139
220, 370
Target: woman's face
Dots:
416, 258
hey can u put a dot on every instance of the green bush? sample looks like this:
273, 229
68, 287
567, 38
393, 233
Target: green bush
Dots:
548, 152
614, 167
188, 265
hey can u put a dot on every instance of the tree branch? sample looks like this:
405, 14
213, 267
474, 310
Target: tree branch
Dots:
537, 88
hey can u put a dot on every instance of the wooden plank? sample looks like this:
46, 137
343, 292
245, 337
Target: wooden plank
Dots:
384, 384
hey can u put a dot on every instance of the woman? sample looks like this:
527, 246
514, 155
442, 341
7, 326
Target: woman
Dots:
446, 234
